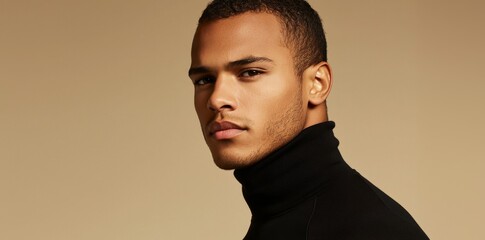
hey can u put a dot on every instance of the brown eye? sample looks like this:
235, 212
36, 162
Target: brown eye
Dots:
250, 73
204, 81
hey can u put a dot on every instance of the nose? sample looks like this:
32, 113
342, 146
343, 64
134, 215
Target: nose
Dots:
223, 97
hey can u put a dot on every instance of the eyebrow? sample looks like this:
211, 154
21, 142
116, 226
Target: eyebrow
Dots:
248, 60
233, 64
198, 70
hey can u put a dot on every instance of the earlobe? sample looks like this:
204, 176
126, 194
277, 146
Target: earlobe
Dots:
321, 83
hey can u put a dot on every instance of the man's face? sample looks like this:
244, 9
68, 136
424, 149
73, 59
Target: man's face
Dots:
247, 96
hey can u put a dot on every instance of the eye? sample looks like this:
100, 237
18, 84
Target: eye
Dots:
250, 73
204, 81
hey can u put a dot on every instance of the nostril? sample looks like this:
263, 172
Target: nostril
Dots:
218, 109
211, 107
226, 106
218, 104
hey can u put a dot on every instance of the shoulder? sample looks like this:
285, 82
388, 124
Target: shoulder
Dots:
353, 208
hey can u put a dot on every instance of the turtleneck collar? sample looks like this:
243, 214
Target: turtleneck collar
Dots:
294, 172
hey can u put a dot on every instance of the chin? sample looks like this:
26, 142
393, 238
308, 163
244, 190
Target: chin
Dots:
225, 166
231, 162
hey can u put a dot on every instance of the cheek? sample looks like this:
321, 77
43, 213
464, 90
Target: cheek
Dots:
269, 102
278, 93
200, 104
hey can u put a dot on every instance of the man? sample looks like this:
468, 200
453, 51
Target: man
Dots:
261, 80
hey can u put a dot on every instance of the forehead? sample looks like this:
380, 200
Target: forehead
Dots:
256, 34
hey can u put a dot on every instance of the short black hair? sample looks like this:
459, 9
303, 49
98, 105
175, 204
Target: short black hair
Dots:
301, 25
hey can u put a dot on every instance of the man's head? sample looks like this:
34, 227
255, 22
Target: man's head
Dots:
300, 25
260, 77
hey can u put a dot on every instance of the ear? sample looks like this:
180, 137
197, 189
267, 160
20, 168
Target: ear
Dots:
319, 81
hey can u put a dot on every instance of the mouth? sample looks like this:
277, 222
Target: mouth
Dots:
225, 130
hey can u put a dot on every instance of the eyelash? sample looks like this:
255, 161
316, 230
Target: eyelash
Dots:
251, 72
208, 79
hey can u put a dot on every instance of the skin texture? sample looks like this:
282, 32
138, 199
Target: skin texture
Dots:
245, 80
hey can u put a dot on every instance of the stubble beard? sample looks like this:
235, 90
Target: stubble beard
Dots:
282, 128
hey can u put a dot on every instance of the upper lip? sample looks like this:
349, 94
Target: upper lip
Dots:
221, 126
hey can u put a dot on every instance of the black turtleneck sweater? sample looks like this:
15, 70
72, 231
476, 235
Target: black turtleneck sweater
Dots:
305, 190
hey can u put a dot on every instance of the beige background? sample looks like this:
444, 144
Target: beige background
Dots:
99, 139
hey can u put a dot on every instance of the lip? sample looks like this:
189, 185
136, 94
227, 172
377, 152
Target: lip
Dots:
225, 130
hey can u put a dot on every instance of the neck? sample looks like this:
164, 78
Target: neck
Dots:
292, 173
316, 114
